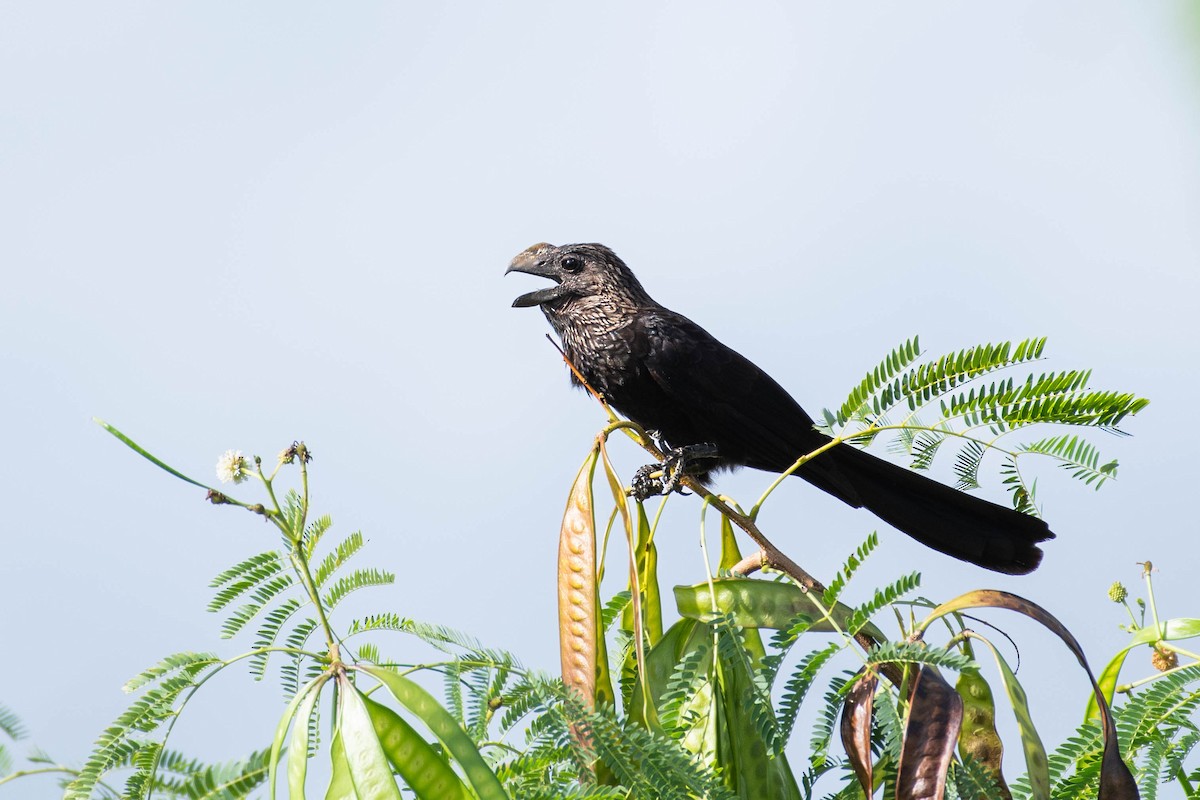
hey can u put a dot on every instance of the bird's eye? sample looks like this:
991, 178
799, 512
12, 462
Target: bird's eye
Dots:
572, 264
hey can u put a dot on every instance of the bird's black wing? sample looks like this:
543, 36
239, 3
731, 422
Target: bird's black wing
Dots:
716, 395
720, 397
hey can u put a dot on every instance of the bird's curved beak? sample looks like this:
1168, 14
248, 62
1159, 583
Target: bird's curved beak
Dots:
533, 261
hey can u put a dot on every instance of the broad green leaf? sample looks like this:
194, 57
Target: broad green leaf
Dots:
731, 554
422, 768
369, 768
485, 783
135, 447
979, 741
1107, 682
756, 771
648, 574
340, 785
298, 747
604, 691
760, 604
679, 639
286, 720
1036, 765
1172, 630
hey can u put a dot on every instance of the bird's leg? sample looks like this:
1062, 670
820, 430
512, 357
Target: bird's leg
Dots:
689, 460
666, 477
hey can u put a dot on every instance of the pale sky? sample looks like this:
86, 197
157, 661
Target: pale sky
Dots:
230, 225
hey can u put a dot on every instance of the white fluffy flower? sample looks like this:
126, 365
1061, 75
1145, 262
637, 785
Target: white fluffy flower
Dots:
232, 466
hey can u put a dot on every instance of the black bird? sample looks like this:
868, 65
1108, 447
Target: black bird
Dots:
669, 375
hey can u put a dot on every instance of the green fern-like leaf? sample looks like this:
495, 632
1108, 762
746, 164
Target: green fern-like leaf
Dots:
186, 663
10, 724
1101, 409
143, 763
268, 633
691, 670
237, 620
925, 447
121, 742
243, 567
750, 691
340, 555
888, 731
781, 644
244, 577
915, 653
995, 405
359, 579
293, 516
916, 386
369, 652
228, 781
966, 465
969, 779
1023, 493
797, 687
173, 770
521, 700
1150, 766
822, 733
849, 567
382, 622
1078, 456
613, 608
1167, 703
289, 673
313, 533
937, 378
881, 378
649, 765
1179, 751
883, 597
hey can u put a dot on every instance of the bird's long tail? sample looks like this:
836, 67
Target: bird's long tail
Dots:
941, 517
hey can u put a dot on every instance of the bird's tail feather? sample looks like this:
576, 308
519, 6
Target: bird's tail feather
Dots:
941, 517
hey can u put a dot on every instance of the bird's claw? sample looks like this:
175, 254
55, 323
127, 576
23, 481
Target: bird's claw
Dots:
667, 477
646, 483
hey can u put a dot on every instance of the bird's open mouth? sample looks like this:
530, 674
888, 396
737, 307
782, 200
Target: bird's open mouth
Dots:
540, 297
532, 262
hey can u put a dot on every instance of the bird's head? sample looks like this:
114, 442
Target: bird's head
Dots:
578, 271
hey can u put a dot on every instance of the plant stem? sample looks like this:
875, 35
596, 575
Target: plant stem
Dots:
1150, 599
299, 559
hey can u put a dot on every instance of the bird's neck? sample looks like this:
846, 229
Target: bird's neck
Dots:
592, 328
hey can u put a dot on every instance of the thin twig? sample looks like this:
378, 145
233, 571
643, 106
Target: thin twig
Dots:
750, 564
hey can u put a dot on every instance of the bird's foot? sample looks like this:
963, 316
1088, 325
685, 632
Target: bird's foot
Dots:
667, 476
